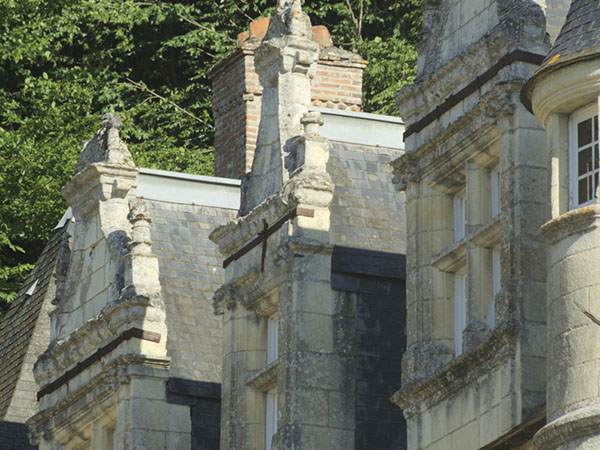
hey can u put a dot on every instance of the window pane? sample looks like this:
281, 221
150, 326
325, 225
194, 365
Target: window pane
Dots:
584, 133
585, 189
584, 161
595, 128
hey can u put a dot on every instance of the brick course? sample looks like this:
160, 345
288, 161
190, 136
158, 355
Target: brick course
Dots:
237, 100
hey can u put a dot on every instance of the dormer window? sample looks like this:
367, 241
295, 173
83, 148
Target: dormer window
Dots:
583, 156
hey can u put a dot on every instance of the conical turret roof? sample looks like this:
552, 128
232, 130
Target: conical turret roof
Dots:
578, 39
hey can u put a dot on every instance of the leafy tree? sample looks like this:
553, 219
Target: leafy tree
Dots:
65, 62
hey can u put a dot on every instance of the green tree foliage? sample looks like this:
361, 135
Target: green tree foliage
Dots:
65, 62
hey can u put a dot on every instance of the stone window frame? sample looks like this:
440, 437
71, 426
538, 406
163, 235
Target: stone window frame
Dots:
270, 417
577, 117
483, 237
460, 309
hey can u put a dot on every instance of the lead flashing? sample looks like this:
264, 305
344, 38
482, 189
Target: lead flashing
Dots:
200, 190
361, 128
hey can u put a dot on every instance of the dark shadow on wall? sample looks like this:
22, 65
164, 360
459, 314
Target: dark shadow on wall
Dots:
14, 436
378, 281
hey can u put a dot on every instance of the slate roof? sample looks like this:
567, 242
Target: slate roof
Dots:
579, 36
366, 210
578, 39
16, 330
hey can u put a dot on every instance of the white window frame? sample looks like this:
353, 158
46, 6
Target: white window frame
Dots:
496, 285
460, 217
577, 117
272, 338
271, 418
460, 311
495, 192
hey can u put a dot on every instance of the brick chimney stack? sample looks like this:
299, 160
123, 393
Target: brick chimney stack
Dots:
237, 94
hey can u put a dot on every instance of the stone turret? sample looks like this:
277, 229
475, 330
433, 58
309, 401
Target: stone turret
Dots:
564, 94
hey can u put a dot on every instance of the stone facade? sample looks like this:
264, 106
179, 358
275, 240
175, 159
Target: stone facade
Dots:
297, 346
305, 348
476, 179
128, 366
564, 96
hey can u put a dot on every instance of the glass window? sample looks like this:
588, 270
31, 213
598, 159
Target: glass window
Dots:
583, 159
271, 419
495, 287
495, 192
460, 217
460, 311
272, 339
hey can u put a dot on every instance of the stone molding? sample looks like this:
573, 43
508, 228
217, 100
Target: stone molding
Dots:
416, 397
114, 319
236, 233
565, 90
440, 154
519, 24
251, 291
97, 183
570, 427
70, 412
574, 221
264, 380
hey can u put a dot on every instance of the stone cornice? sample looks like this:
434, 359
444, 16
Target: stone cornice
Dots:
416, 100
565, 90
574, 221
421, 395
251, 291
119, 371
444, 144
114, 319
235, 234
264, 380
99, 182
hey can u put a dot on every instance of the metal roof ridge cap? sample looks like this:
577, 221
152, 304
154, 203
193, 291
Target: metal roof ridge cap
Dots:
358, 115
191, 177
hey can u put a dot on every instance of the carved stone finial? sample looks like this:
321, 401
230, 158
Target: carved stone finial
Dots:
140, 219
106, 146
289, 20
312, 123
111, 120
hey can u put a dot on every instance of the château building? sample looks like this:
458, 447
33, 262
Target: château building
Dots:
319, 303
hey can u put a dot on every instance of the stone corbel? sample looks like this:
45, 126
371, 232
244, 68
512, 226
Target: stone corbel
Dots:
405, 170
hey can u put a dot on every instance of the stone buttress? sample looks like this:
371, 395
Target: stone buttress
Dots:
475, 178
102, 379
284, 367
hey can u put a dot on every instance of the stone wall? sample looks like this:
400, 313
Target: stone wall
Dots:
461, 127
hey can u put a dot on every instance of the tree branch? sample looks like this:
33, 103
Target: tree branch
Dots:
357, 24
142, 87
